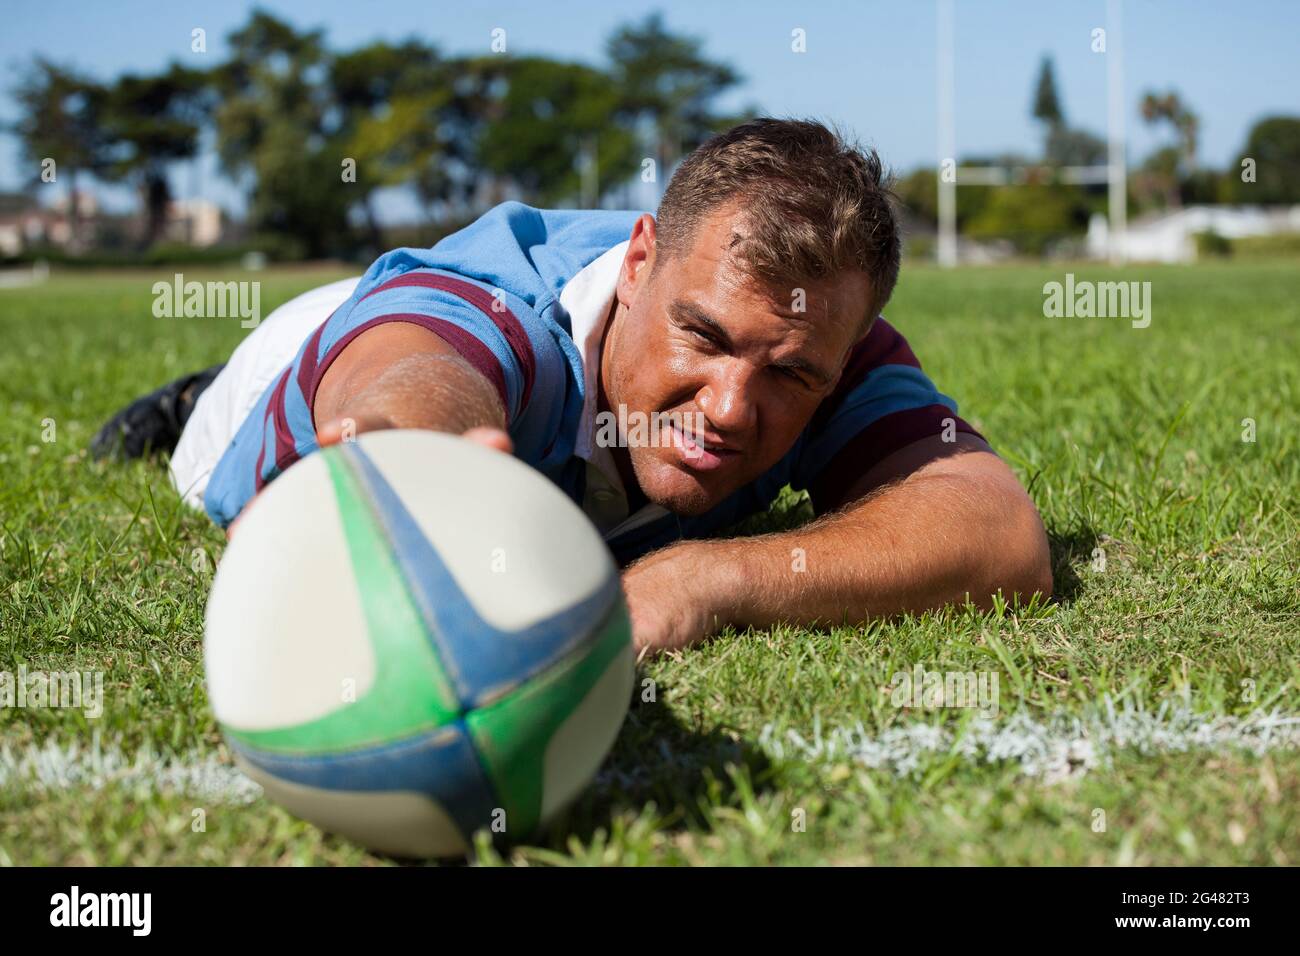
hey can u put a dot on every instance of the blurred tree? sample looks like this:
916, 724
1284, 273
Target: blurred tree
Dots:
390, 101
150, 122
666, 88
1156, 182
1170, 109
312, 135
459, 184
1168, 167
1047, 105
61, 116
551, 117
1208, 186
274, 126
1075, 147
1062, 146
1031, 216
1273, 146
918, 191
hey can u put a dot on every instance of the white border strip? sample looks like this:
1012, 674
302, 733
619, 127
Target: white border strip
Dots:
1060, 748
52, 767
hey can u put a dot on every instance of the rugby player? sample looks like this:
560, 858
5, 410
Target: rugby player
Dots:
750, 305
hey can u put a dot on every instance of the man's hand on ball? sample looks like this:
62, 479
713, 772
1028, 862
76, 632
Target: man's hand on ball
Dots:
346, 428
494, 438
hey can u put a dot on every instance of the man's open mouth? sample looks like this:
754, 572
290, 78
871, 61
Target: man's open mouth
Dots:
699, 453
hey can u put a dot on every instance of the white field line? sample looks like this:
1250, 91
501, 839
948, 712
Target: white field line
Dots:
1058, 748
51, 767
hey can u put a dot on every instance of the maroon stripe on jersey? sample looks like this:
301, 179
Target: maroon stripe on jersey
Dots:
489, 305
274, 414
873, 445
258, 481
307, 367
883, 345
286, 449
462, 340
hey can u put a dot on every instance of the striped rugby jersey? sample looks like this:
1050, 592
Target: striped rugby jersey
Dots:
522, 295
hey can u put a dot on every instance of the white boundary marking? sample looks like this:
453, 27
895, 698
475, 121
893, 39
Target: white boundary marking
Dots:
55, 767
1059, 748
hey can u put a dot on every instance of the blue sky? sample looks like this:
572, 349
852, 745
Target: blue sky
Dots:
870, 65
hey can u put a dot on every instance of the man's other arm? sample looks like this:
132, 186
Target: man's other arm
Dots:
933, 524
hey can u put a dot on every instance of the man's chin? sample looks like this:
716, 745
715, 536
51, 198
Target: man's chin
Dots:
685, 505
677, 490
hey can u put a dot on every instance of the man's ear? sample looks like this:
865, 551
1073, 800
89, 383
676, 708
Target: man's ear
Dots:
639, 261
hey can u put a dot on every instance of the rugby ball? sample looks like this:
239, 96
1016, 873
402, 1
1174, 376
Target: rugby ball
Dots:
411, 638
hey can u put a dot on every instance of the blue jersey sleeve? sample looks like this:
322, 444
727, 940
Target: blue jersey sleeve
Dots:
525, 358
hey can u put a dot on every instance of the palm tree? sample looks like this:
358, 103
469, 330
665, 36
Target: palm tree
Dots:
1181, 163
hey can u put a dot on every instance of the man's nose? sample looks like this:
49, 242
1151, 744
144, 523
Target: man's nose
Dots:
727, 398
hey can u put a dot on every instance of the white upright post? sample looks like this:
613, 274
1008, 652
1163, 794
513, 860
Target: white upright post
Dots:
946, 171
1117, 164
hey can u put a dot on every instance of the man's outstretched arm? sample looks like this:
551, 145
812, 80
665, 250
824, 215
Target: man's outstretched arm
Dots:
931, 524
400, 375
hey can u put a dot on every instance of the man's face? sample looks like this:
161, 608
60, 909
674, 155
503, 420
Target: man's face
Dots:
696, 334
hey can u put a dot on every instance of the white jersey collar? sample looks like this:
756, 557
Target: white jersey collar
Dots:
587, 299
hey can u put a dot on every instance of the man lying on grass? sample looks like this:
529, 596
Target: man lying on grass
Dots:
745, 320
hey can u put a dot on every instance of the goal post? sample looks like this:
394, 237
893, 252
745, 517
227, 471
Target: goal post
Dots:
1114, 173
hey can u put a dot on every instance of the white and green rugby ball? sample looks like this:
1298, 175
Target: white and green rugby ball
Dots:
412, 637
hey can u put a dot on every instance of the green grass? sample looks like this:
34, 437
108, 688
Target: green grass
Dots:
1129, 439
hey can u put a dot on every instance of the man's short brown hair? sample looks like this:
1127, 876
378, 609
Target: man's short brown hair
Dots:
815, 205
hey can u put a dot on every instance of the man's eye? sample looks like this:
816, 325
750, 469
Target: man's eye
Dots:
792, 375
703, 336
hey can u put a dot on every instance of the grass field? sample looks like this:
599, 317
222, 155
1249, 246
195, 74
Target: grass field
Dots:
1148, 715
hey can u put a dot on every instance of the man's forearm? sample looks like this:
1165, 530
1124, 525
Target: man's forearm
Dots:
400, 375
958, 528
927, 542
437, 392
